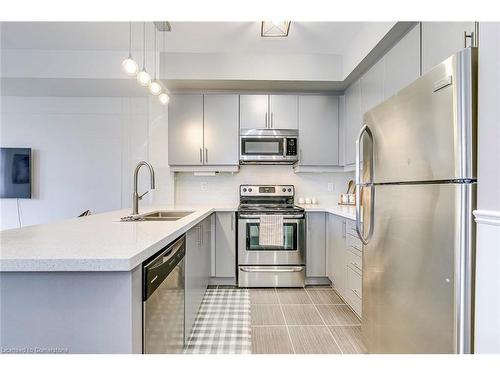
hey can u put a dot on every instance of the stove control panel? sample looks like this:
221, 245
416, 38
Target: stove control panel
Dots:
267, 190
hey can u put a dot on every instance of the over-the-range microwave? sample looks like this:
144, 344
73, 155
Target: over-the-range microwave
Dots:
268, 146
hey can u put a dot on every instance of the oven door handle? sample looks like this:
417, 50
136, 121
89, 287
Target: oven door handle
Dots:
285, 217
273, 270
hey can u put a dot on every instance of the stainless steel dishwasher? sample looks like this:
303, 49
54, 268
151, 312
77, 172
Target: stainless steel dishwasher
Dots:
163, 300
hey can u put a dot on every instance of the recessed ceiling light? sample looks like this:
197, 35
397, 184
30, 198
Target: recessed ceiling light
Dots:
274, 29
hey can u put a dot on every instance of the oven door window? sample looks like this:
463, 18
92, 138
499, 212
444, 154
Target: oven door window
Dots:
262, 146
290, 236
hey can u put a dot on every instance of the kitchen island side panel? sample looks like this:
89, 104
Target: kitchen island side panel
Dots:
71, 312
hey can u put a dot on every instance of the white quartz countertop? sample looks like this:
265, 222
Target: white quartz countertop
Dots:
94, 243
101, 243
349, 212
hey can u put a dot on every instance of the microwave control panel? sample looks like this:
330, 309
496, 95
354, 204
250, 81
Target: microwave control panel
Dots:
291, 146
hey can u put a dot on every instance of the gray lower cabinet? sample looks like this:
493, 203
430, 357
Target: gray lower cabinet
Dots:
316, 241
197, 273
319, 130
344, 260
225, 244
336, 245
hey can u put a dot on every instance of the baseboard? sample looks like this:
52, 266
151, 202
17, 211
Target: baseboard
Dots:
231, 281
318, 281
487, 217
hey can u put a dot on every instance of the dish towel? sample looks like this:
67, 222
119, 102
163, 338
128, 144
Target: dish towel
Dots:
271, 230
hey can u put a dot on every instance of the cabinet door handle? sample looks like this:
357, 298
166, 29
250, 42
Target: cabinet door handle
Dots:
344, 226
266, 119
201, 155
199, 234
469, 36
206, 155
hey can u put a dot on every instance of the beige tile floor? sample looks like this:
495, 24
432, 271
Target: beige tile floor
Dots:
314, 320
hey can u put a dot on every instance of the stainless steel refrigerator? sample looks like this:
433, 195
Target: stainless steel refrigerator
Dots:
416, 173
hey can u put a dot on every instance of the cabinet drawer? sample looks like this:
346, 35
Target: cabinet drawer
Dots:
354, 291
351, 228
353, 260
353, 243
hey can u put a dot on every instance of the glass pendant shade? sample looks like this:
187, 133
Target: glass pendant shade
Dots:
130, 66
143, 78
155, 87
164, 98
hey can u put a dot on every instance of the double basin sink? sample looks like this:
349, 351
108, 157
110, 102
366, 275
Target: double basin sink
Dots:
158, 216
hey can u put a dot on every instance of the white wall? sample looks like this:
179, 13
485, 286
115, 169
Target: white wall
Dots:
224, 188
487, 319
84, 152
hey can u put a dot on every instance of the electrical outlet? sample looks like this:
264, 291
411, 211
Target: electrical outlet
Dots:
204, 186
330, 186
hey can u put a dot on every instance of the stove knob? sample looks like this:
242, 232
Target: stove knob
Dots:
249, 190
244, 190
289, 190
283, 190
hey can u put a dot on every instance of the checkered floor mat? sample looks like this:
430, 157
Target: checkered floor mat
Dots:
223, 323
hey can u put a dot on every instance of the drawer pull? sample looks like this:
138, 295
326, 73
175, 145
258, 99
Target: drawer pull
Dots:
356, 293
358, 267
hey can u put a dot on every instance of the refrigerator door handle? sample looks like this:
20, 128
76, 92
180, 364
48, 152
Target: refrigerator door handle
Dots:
359, 186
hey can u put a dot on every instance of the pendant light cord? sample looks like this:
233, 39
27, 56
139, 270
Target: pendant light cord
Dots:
130, 39
144, 46
155, 57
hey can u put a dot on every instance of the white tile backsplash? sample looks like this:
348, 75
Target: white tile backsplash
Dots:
223, 188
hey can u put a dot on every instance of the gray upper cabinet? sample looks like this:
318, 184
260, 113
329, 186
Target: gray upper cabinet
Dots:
221, 129
185, 130
254, 111
283, 111
440, 40
372, 87
316, 245
203, 130
353, 121
225, 244
319, 130
402, 63
268, 111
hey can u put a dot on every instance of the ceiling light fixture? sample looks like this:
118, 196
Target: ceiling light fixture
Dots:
143, 76
155, 85
274, 29
129, 65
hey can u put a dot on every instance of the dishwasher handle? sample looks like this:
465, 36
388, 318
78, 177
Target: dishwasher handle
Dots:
158, 269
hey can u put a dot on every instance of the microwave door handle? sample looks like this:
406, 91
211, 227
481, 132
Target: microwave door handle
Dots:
285, 145
360, 185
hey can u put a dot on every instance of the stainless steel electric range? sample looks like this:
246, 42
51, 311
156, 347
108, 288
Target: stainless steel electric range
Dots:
270, 266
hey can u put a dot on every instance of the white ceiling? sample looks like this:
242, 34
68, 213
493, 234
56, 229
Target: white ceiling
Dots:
200, 37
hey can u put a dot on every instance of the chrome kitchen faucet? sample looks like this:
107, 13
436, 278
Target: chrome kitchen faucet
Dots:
136, 196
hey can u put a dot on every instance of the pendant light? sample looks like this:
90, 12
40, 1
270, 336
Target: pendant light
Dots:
163, 97
155, 85
143, 76
129, 65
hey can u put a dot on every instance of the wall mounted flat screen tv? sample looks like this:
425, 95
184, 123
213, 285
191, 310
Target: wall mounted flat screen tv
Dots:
15, 172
